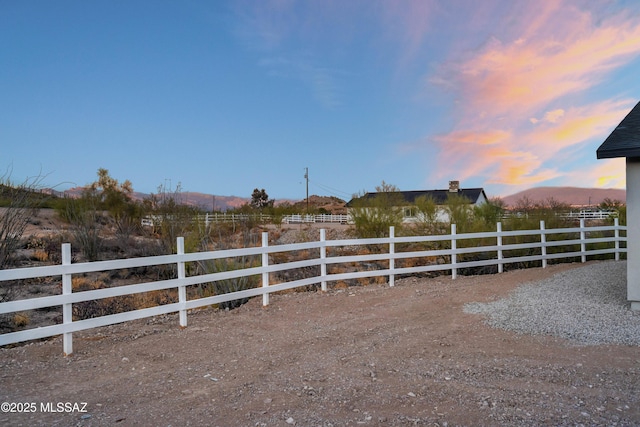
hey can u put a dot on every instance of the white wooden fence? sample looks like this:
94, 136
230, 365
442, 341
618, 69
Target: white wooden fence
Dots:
206, 219
312, 219
590, 214
451, 247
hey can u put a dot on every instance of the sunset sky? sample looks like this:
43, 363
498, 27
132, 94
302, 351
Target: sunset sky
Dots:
226, 96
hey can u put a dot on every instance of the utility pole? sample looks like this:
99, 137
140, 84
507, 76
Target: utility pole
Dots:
306, 177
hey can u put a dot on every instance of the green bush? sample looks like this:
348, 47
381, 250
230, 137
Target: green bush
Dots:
373, 214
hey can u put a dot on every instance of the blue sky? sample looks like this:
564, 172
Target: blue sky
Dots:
226, 96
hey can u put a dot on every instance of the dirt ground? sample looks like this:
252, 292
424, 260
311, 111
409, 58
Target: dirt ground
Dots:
370, 356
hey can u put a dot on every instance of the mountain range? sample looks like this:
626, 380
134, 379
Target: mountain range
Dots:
207, 202
574, 196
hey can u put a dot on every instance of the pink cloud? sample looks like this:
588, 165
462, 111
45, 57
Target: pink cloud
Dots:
525, 75
610, 173
577, 125
525, 157
505, 130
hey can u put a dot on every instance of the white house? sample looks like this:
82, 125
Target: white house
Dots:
475, 196
624, 141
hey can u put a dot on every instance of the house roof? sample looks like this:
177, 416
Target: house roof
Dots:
624, 141
439, 196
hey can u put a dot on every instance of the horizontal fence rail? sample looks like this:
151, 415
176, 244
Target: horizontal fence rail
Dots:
404, 255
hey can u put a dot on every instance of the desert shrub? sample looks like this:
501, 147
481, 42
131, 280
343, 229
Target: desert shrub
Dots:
228, 285
303, 273
83, 283
146, 247
114, 305
20, 320
220, 287
460, 212
172, 220
22, 202
103, 307
373, 213
86, 222
427, 216
40, 255
11, 322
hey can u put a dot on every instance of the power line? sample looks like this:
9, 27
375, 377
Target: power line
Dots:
330, 190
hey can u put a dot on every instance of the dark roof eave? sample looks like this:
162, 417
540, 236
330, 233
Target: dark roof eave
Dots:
615, 153
624, 141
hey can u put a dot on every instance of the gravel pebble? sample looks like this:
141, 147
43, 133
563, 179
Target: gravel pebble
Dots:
586, 305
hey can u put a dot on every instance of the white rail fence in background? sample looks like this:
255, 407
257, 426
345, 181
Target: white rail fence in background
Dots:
592, 241
321, 218
208, 218
589, 214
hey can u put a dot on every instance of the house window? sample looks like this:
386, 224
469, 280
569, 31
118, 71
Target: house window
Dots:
408, 213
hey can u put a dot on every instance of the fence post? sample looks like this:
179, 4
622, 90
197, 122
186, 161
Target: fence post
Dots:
182, 290
543, 244
583, 244
616, 236
323, 257
499, 243
454, 257
265, 263
67, 308
392, 250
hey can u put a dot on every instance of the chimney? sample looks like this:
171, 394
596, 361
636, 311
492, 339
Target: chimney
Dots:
454, 186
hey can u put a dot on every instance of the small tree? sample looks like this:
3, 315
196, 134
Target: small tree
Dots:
372, 216
524, 206
460, 211
116, 198
260, 199
427, 214
86, 216
490, 213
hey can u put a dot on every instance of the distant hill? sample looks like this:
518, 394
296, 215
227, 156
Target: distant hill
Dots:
223, 203
208, 202
204, 201
574, 196
331, 205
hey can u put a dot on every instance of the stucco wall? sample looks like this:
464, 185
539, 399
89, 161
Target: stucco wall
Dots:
633, 232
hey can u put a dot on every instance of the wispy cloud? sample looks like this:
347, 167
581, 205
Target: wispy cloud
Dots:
321, 81
264, 25
549, 116
408, 23
505, 90
279, 31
